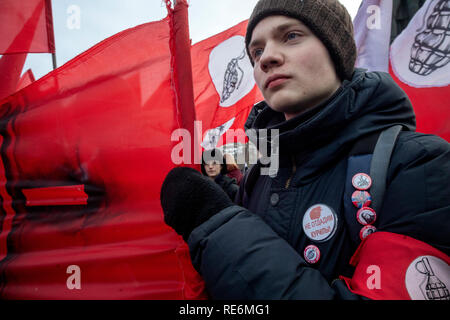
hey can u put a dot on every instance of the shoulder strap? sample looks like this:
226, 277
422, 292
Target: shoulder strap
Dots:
380, 164
370, 155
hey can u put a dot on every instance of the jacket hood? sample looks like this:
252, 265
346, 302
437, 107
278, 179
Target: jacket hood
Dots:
370, 102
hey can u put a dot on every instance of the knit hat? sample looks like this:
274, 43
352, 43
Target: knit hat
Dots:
328, 19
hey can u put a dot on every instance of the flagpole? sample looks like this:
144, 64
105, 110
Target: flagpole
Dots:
54, 60
183, 71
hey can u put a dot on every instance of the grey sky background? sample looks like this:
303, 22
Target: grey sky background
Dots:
100, 19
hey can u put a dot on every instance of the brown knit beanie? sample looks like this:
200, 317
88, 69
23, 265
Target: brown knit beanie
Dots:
328, 19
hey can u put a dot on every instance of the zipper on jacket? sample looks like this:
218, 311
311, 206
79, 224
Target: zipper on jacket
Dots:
294, 169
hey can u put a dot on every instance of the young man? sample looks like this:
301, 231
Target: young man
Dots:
293, 238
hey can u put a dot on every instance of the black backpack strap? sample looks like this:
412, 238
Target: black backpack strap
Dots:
380, 164
370, 155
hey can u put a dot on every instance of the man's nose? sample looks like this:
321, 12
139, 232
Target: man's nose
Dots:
271, 57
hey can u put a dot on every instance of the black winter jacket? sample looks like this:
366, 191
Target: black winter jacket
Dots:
257, 252
229, 185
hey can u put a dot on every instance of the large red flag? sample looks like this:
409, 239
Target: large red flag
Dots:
224, 87
84, 151
26, 26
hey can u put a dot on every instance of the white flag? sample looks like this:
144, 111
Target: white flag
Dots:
372, 26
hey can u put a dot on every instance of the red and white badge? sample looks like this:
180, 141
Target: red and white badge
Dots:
311, 254
319, 222
361, 181
361, 199
365, 231
366, 216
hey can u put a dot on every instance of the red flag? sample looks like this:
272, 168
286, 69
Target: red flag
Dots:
26, 26
224, 87
420, 64
419, 59
11, 66
26, 79
84, 151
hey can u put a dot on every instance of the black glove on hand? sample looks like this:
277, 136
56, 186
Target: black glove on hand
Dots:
188, 199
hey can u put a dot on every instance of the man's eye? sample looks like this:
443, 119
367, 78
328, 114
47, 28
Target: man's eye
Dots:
292, 36
256, 53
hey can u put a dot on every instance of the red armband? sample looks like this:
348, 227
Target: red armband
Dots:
391, 266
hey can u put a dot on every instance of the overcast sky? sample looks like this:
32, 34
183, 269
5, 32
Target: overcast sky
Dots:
80, 24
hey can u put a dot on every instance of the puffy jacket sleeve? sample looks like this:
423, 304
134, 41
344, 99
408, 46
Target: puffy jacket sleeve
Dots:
240, 257
417, 198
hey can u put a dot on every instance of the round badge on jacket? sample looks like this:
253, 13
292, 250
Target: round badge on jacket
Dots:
366, 216
361, 181
361, 199
320, 222
311, 254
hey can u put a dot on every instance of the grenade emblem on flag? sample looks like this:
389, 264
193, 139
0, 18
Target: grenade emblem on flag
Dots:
233, 77
431, 49
434, 288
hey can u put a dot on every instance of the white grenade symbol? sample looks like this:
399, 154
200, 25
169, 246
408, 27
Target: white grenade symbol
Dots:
431, 48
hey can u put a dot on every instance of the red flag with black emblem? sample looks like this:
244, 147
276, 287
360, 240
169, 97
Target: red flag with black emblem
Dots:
224, 87
84, 151
418, 59
420, 64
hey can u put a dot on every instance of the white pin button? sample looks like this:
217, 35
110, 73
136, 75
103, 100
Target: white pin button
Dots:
319, 222
361, 181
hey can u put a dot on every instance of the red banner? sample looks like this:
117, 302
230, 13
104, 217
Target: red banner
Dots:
224, 87
26, 26
84, 151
